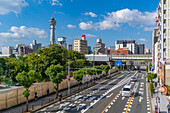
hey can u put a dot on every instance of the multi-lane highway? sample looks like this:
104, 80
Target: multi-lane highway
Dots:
106, 97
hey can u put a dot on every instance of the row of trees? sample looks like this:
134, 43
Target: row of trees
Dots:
48, 64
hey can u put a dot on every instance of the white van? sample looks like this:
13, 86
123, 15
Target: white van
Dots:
126, 91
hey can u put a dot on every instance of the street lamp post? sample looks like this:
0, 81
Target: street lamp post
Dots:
68, 76
157, 101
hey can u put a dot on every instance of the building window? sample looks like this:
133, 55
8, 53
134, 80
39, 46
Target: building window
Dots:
168, 32
169, 21
168, 52
168, 42
169, 13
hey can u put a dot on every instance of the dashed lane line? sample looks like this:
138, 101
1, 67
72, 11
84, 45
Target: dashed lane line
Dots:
128, 104
109, 104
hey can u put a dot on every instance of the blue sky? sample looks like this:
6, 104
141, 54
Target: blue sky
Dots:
22, 21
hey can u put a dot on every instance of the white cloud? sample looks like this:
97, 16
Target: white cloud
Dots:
142, 39
56, 2
148, 28
15, 6
138, 33
0, 23
23, 31
71, 26
107, 25
90, 36
86, 26
113, 20
91, 14
132, 17
58, 12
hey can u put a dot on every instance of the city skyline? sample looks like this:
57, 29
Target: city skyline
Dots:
28, 20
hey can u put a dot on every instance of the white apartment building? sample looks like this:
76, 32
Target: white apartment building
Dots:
130, 44
155, 51
163, 24
7, 50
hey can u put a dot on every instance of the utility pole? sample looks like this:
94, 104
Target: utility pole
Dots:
69, 76
93, 56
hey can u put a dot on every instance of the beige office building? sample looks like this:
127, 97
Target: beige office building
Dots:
81, 45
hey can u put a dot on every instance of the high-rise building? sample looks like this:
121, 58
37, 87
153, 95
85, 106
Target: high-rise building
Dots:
147, 51
155, 38
163, 24
7, 50
100, 47
81, 45
130, 44
52, 30
62, 42
70, 47
35, 46
141, 49
24, 49
89, 50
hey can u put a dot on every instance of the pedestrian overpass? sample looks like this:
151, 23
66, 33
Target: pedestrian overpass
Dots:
92, 57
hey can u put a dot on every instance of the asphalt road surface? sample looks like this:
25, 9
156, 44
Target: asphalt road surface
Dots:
106, 97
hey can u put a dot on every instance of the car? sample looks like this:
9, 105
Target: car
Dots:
133, 79
129, 72
126, 91
139, 71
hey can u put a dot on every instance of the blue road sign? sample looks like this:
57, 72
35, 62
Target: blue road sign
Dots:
118, 63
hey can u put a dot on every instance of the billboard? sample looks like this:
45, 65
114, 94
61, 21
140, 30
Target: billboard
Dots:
118, 63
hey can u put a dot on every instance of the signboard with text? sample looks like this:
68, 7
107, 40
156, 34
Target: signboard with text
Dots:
118, 63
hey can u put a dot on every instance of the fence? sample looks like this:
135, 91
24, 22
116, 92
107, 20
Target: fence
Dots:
15, 96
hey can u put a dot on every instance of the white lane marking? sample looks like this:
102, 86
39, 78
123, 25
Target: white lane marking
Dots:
122, 82
141, 89
148, 108
140, 99
106, 110
109, 95
123, 98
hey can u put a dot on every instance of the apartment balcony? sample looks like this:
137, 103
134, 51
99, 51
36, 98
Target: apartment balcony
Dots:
165, 45
165, 5
165, 15
165, 35
165, 24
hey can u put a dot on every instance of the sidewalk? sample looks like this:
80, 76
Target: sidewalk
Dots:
163, 102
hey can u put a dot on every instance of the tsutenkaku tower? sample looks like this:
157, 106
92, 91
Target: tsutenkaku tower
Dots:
52, 30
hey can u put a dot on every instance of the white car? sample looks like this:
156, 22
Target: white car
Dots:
133, 79
126, 91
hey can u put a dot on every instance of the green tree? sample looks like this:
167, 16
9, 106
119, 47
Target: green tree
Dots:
119, 67
12, 56
78, 75
27, 79
99, 71
106, 68
52, 55
56, 75
151, 87
3, 66
146, 68
151, 76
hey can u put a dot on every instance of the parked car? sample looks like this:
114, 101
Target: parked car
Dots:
133, 79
